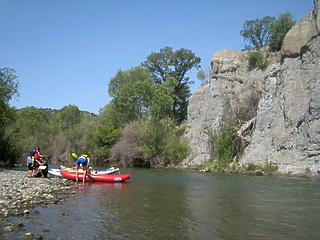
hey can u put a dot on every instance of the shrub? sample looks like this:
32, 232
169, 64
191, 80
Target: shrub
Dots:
256, 60
245, 106
266, 168
269, 167
222, 146
176, 149
224, 142
126, 149
251, 167
151, 143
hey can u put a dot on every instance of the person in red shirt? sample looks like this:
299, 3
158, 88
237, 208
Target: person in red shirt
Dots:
36, 158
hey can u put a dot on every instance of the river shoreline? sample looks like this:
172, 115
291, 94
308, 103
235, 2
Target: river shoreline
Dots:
19, 194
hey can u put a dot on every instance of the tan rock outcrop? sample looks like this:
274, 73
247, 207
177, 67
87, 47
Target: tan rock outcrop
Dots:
287, 128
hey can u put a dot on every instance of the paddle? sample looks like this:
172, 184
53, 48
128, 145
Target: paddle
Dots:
74, 155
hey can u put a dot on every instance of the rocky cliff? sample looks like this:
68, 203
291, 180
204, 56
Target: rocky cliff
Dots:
287, 124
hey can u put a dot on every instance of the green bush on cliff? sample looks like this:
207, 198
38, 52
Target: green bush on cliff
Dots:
222, 145
256, 60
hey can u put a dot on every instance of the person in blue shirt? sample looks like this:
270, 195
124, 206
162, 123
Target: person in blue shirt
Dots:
82, 161
30, 160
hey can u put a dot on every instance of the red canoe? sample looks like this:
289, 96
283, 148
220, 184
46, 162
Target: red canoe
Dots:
97, 177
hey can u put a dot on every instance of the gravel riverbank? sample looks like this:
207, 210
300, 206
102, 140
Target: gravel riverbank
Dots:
19, 193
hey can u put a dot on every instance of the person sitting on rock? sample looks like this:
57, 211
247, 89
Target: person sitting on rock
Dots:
43, 168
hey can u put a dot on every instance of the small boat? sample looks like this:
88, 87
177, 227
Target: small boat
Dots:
92, 171
54, 172
97, 177
107, 171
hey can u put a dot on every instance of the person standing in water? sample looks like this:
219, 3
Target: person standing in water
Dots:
83, 161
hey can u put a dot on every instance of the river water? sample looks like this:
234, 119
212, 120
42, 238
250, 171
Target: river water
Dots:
182, 204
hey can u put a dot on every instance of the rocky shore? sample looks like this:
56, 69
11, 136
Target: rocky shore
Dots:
19, 193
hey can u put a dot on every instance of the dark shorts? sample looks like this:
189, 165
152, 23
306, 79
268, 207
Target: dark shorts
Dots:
35, 165
82, 161
30, 166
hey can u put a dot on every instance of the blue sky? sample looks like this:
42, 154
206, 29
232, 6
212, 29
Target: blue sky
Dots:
65, 51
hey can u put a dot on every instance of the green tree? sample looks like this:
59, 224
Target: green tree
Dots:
85, 138
168, 64
69, 116
132, 92
279, 29
203, 76
9, 86
29, 119
109, 115
162, 100
257, 32
106, 136
32, 125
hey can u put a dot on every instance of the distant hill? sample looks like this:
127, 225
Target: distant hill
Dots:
50, 112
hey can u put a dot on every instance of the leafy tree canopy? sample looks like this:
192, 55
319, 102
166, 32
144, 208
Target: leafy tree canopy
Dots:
8, 144
163, 99
168, 64
257, 32
29, 119
69, 116
203, 76
279, 29
9, 84
268, 31
132, 93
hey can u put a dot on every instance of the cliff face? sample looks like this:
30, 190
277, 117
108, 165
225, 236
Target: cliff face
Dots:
287, 126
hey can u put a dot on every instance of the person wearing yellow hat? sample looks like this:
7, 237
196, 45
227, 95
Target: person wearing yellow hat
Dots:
83, 160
